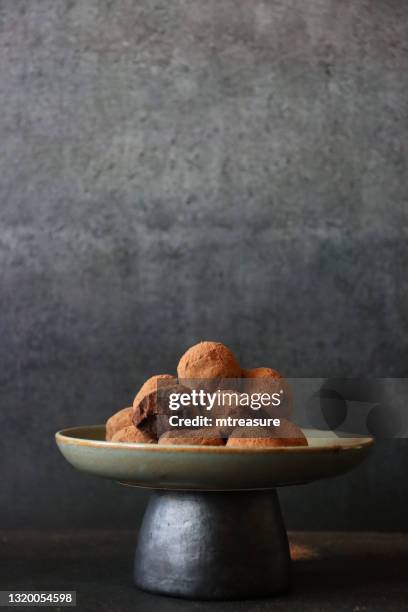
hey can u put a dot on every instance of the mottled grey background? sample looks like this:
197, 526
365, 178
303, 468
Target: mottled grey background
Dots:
172, 171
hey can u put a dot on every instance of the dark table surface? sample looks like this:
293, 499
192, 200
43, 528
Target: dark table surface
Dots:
331, 571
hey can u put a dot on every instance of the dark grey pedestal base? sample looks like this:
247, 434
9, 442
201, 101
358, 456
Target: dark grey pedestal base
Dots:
213, 545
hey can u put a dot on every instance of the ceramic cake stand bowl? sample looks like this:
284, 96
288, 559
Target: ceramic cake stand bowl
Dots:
213, 528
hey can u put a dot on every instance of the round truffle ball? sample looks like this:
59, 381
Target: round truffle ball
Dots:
208, 360
287, 434
227, 405
198, 437
132, 434
268, 380
152, 384
151, 413
118, 421
261, 373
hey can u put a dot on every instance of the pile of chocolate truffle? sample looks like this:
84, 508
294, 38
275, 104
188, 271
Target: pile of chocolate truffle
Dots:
206, 363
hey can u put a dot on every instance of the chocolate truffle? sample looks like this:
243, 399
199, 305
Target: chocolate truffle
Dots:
208, 360
152, 384
229, 406
261, 373
118, 421
287, 434
146, 405
132, 434
151, 413
291, 433
198, 437
268, 380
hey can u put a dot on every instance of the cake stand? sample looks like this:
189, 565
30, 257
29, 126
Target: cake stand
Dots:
213, 527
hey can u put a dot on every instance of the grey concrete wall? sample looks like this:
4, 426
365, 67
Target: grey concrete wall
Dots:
180, 170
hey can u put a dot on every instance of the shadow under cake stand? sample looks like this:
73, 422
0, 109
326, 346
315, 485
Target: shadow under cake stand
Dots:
213, 527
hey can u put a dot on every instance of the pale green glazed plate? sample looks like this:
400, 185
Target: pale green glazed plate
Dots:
210, 467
